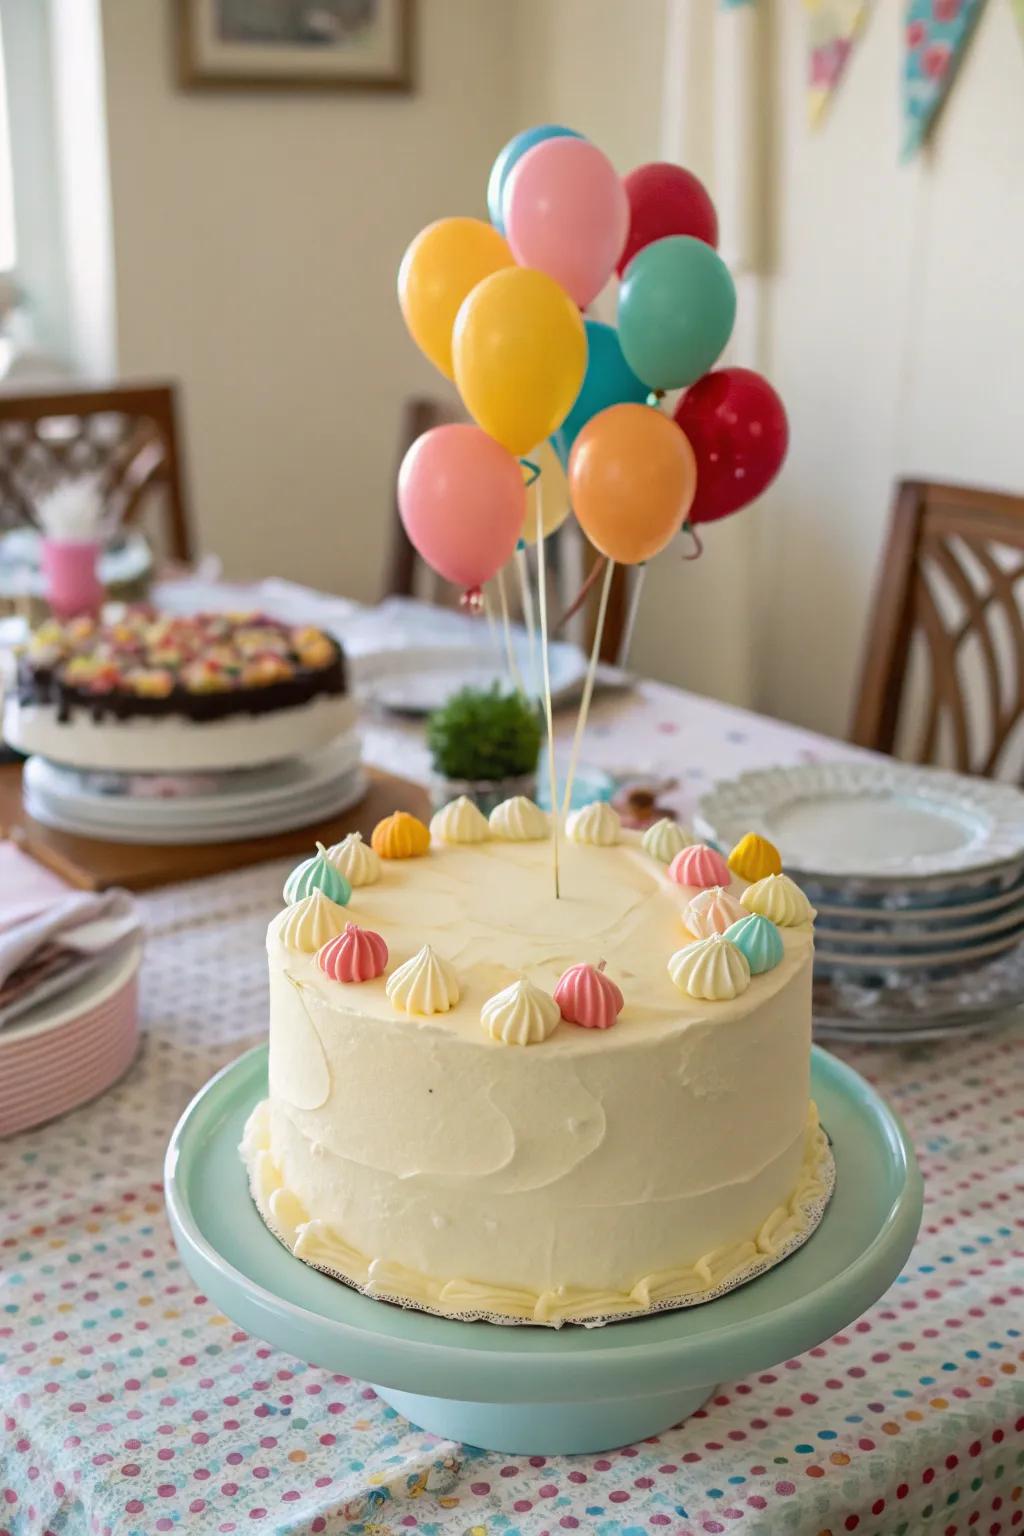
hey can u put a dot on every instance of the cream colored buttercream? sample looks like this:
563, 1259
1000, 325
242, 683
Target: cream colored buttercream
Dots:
575, 1169
320, 1244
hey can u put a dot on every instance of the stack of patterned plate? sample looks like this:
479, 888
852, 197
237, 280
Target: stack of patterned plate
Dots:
918, 878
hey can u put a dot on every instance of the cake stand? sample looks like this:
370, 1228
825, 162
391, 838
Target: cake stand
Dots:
530, 1390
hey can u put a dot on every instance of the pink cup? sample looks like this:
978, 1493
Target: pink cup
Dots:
72, 585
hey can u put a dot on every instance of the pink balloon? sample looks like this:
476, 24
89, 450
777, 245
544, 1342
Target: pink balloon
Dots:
462, 500
566, 212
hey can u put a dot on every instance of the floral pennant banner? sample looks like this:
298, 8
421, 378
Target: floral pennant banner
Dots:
832, 28
936, 35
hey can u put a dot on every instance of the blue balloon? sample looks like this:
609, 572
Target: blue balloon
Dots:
513, 152
609, 380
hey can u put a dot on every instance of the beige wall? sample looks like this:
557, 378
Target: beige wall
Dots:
897, 329
256, 243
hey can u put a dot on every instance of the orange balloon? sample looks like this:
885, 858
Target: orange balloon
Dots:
632, 478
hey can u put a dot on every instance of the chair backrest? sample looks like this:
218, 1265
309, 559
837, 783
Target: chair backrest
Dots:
942, 680
125, 434
419, 415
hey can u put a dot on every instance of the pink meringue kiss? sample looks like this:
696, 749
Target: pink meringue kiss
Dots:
712, 910
699, 866
358, 954
588, 997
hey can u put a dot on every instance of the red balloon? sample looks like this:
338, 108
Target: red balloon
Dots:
737, 427
665, 200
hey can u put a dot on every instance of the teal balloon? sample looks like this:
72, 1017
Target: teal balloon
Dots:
759, 941
609, 380
677, 305
317, 874
506, 162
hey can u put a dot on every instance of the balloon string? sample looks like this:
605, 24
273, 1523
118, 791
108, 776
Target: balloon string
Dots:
698, 547
634, 609
526, 596
588, 685
492, 628
581, 596
534, 471
510, 654
542, 595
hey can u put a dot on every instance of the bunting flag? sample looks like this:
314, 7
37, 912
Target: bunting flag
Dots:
832, 28
936, 35
1018, 11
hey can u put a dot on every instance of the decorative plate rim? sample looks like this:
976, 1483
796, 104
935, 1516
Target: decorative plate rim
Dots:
735, 806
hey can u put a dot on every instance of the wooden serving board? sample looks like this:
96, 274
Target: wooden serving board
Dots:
93, 865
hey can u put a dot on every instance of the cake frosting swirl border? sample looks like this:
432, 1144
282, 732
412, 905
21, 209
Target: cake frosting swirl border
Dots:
715, 1274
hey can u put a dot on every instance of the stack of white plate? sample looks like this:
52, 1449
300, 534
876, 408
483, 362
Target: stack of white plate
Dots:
918, 878
197, 808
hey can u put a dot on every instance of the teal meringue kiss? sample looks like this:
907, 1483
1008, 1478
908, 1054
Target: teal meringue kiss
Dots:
317, 874
758, 940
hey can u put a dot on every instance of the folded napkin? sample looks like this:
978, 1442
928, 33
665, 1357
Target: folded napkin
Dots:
51, 936
85, 922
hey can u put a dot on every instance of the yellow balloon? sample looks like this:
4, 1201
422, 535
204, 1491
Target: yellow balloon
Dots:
520, 354
553, 489
442, 265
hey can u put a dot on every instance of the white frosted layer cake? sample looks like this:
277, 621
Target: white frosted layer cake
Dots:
440, 1134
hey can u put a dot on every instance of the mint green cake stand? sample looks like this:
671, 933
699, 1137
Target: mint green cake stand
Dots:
529, 1390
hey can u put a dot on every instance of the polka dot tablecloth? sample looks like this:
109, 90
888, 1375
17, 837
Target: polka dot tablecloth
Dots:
130, 1405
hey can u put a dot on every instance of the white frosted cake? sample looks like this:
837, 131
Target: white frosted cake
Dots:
486, 1101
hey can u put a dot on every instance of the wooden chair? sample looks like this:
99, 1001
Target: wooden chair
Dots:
420, 414
942, 680
127, 434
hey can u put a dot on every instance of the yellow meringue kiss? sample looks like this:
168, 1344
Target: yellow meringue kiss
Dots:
755, 857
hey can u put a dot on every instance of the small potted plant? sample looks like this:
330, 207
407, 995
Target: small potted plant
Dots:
484, 744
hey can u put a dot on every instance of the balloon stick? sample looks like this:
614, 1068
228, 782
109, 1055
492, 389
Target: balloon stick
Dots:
588, 685
510, 655
526, 596
542, 595
634, 609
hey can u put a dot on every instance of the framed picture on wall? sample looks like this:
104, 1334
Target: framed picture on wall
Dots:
326, 45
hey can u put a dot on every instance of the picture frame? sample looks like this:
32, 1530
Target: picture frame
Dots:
295, 45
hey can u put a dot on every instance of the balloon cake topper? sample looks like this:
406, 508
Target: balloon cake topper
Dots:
568, 413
